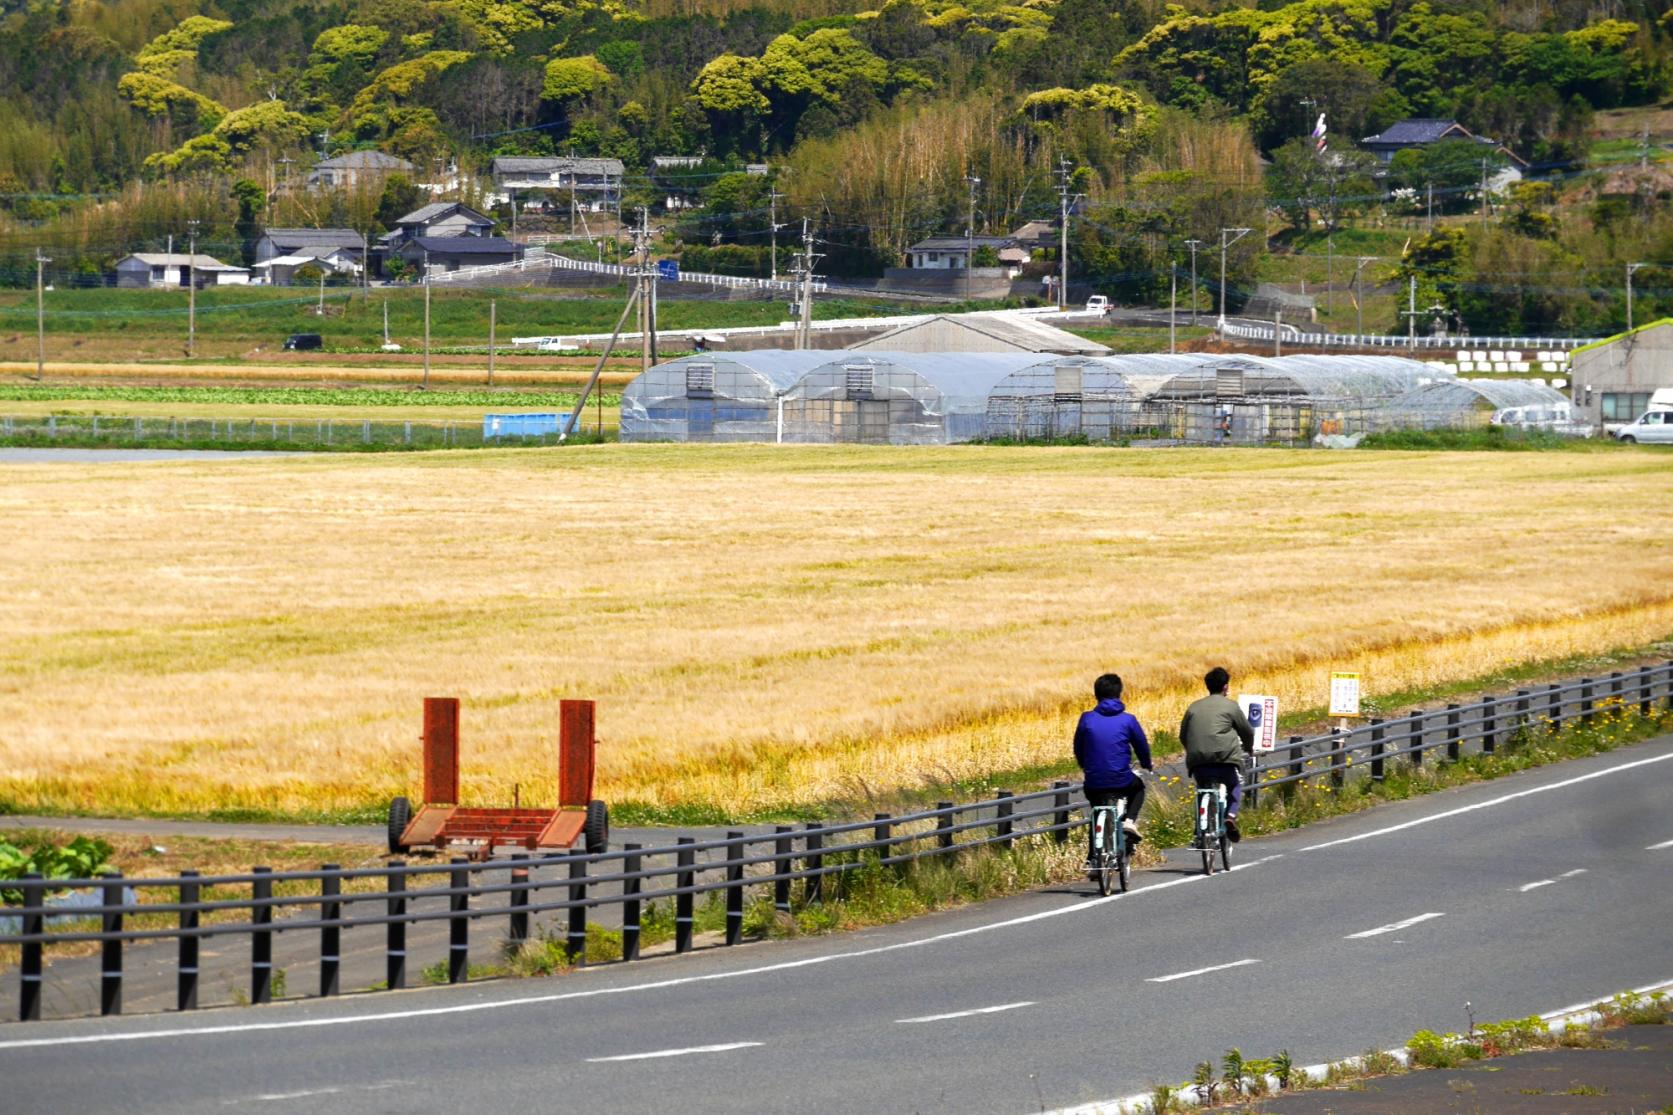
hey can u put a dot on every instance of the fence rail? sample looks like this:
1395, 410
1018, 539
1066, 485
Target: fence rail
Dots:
791, 866
540, 259
1391, 341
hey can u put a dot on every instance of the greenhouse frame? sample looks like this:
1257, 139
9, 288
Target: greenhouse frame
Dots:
714, 396
1094, 397
896, 398
1448, 403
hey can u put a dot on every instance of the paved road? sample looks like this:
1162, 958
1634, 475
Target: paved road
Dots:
1520, 895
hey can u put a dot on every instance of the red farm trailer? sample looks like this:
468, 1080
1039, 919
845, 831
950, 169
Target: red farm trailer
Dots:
441, 821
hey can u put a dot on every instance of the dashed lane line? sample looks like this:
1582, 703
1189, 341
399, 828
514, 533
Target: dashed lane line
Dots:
1392, 927
1201, 971
1526, 887
658, 1053
965, 1013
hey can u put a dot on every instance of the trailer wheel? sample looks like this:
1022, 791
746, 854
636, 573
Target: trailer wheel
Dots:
400, 816
597, 830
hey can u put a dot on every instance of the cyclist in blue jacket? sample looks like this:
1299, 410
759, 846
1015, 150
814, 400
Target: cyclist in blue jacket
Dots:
1107, 740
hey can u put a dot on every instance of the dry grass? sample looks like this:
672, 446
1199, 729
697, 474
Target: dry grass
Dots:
763, 626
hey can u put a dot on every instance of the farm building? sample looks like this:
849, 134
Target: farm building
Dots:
1453, 404
1614, 378
732, 396
896, 398
998, 332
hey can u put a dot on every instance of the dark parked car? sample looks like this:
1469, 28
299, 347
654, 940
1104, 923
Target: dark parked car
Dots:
303, 341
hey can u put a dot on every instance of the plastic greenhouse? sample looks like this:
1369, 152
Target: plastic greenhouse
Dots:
896, 398
1463, 403
1095, 397
729, 396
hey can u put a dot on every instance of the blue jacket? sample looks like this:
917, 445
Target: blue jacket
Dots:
1107, 739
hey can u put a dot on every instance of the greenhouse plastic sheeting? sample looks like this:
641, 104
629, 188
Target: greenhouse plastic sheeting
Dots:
713, 396
1095, 397
1455, 403
896, 398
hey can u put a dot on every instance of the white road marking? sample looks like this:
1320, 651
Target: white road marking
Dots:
674, 1052
283, 1097
1526, 887
655, 985
1392, 928
965, 1013
1201, 971
1659, 847
1495, 801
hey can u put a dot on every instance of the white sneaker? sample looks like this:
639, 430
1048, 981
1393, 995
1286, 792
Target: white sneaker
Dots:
1129, 828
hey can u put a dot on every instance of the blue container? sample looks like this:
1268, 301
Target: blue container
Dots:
521, 425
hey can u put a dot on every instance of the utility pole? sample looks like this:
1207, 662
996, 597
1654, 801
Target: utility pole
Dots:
319, 310
386, 323
773, 198
1063, 228
1631, 267
1277, 332
191, 289
1193, 245
1484, 192
1359, 294
1224, 244
805, 332
366, 266
40, 312
1411, 314
644, 286
1429, 207
971, 182
492, 322
426, 385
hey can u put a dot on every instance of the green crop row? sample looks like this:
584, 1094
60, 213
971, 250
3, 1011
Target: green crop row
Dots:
291, 396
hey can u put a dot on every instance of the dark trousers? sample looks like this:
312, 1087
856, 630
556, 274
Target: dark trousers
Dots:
1133, 793
1229, 775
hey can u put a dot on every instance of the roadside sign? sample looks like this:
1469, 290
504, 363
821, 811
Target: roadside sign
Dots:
1344, 694
668, 269
1262, 712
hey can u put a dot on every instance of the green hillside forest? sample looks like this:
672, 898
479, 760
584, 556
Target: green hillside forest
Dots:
125, 121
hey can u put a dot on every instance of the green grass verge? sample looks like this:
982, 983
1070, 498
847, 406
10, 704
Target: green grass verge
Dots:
359, 397
1489, 438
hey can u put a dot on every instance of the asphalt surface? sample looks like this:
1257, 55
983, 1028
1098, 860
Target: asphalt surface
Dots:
1519, 896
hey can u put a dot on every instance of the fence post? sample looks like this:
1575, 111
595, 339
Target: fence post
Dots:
34, 961
261, 940
1617, 690
1523, 700
1554, 706
631, 864
1060, 819
459, 925
1414, 738
1251, 780
330, 936
1002, 827
734, 888
1454, 745
1644, 690
575, 941
186, 977
684, 857
1297, 758
1588, 706
519, 900
881, 833
944, 825
110, 969
1338, 758
781, 867
395, 946
1376, 749
813, 863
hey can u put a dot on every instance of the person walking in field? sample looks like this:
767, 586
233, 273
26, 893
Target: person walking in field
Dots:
1107, 740
1215, 735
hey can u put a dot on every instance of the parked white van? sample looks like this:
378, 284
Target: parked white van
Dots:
1653, 427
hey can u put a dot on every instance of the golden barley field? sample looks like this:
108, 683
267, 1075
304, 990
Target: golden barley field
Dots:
763, 626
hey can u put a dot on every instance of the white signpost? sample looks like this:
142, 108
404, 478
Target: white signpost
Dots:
1262, 712
1344, 698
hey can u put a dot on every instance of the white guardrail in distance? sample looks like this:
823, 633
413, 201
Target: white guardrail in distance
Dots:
1350, 340
540, 259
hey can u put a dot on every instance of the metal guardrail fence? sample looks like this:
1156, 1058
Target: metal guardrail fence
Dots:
540, 259
807, 859
1391, 341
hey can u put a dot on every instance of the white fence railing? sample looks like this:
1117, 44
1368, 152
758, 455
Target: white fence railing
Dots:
539, 259
1351, 340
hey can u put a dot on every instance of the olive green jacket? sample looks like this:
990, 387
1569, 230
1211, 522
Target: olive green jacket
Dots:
1215, 731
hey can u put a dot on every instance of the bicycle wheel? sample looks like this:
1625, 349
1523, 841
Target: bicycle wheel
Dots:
1124, 861
1106, 874
1225, 851
1207, 855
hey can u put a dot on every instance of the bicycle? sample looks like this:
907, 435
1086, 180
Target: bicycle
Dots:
1111, 858
1211, 827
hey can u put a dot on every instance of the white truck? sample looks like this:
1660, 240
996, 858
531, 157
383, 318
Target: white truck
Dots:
1098, 304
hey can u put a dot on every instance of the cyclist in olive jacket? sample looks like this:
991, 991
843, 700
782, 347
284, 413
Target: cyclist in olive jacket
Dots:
1216, 735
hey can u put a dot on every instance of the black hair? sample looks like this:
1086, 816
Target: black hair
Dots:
1107, 687
1217, 679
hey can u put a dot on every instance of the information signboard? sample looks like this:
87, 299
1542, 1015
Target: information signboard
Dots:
1344, 694
1262, 712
